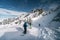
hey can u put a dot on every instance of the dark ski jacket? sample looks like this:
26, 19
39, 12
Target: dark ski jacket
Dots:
25, 25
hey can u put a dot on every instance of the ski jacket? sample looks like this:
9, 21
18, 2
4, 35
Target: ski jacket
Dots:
25, 24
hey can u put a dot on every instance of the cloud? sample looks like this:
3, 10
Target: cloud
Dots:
10, 12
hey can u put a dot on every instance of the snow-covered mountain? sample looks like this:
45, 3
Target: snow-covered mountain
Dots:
9, 14
47, 30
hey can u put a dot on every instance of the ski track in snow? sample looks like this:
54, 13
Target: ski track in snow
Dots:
14, 33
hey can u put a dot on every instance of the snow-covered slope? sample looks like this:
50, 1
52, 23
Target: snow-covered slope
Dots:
14, 31
46, 32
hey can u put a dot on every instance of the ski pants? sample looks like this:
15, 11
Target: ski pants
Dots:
25, 30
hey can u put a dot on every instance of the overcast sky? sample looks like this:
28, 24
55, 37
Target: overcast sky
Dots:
26, 5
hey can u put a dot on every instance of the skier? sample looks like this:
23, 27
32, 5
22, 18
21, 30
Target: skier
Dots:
30, 22
30, 25
25, 27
